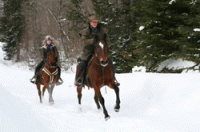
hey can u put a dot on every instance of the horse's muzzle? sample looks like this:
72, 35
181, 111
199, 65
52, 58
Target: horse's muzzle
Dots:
104, 63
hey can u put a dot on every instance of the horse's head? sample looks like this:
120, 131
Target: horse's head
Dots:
101, 49
51, 57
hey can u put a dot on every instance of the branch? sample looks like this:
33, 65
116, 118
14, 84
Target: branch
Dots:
59, 23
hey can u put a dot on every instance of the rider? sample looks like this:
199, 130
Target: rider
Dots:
87, 36
47, 43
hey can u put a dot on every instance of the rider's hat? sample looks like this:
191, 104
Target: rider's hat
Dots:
48, 37
93, 18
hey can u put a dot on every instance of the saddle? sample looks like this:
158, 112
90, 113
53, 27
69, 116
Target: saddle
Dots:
86, 77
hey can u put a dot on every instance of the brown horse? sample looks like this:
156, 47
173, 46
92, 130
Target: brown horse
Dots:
48, 75
99, 74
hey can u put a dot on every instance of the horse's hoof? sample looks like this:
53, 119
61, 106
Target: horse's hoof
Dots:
107, 117
80, 108
116, 110
99, 110
51, 103
41, 101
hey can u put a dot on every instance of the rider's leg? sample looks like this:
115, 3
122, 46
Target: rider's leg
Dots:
37, 72
87, 53
59, 81
81, 73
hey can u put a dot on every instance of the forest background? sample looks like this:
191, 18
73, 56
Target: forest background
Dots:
142, 32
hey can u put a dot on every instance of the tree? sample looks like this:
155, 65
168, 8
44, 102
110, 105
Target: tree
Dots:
12, 25
119, 18
167, 27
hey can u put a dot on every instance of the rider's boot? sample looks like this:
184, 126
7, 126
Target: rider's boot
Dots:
34, 78
59, 80
81, 73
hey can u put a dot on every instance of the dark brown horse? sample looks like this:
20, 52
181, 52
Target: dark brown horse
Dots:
99, 74
48, 75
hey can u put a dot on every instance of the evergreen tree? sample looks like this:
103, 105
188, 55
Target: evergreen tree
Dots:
74, 14
11, 26
167, 27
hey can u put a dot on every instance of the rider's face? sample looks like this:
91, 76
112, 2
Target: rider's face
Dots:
93, 24
48, 41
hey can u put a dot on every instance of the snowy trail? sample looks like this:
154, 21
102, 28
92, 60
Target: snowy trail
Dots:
149, 103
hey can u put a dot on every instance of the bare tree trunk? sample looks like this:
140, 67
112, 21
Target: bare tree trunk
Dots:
62, 32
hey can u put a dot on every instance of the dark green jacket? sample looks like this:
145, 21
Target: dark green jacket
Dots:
87, 35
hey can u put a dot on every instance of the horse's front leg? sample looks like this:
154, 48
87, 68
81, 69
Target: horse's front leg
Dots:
39, 92
96, 97
101, 100
79, 91
43, 91
117, 106
44, 88
51, 87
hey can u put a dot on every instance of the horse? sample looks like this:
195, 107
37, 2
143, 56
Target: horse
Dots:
48, 75
99, 73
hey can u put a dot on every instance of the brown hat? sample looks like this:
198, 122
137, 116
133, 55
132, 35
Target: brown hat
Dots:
93, 18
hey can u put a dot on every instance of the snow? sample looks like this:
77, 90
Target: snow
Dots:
196, 29
139, 69
172, 1
175, 64
141, 28
150, 102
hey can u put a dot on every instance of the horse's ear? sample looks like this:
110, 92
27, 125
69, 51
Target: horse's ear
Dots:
104, 37
53, 48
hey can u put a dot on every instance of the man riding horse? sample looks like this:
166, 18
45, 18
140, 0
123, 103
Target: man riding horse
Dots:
87, 35
47, 43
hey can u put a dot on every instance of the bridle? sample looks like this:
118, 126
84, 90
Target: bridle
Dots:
100, 62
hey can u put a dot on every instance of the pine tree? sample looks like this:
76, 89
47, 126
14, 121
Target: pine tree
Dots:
11, 26
167, 28
75, 14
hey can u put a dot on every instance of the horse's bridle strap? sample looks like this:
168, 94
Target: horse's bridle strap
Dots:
51, 75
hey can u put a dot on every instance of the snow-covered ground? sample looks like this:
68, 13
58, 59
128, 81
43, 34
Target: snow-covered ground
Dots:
149, 103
